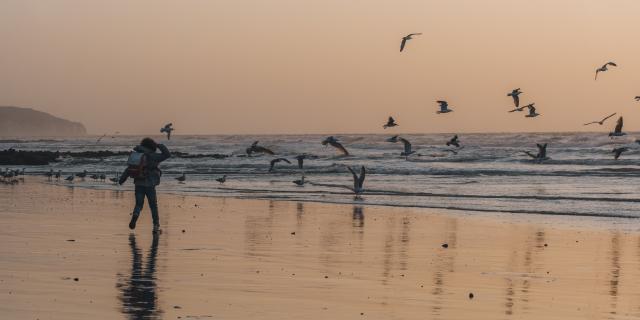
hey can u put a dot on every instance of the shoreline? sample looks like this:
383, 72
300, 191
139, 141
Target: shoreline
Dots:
227, 258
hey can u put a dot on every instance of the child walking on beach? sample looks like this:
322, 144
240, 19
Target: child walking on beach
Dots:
142, 166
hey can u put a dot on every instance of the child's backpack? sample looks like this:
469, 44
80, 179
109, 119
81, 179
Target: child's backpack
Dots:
136, 165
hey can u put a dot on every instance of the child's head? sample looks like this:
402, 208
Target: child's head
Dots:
149, 144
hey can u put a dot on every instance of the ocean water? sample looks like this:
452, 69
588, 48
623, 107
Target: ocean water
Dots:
489, 173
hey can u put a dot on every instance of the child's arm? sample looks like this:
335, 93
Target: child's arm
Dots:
124, 176
164, 154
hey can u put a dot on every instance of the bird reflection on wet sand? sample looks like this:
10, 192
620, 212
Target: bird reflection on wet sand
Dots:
138, 292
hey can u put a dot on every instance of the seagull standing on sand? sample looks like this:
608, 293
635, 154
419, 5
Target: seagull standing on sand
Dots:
618, 151
182, 178
300, 182
601, 122
532, 111
49, 174
444, 107
407, 38
69, 178
390, 123
58, 174
274, 161
300, 159
255, 148
167, 129
358, 181
334, 143
604, 68
454, 142
222, 179
617, 131
82, 174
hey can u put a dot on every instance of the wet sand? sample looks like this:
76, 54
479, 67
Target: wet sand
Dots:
260, 259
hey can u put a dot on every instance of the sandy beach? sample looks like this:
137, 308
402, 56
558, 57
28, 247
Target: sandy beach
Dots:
67, 253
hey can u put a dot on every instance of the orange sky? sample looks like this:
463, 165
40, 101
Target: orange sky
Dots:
330, 66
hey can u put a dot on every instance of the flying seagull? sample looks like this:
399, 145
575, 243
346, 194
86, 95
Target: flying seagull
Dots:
514, 94
605, 68
274, 161
618, 151
454, 142
334, 143
407, 38
407, 146
100, 139
601, 122
617, 131
167, 129
532, 111
444, 107
358, 181
222, 179
255, 148
542, 153
390, 123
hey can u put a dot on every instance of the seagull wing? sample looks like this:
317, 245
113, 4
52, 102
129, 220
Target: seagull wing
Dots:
362, 175
610, 63
613, 114
618, 128
340, 147
516, 100
593, 122
407, 145
404, 40
355, 178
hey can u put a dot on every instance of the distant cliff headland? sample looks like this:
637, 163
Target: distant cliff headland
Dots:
26, 122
